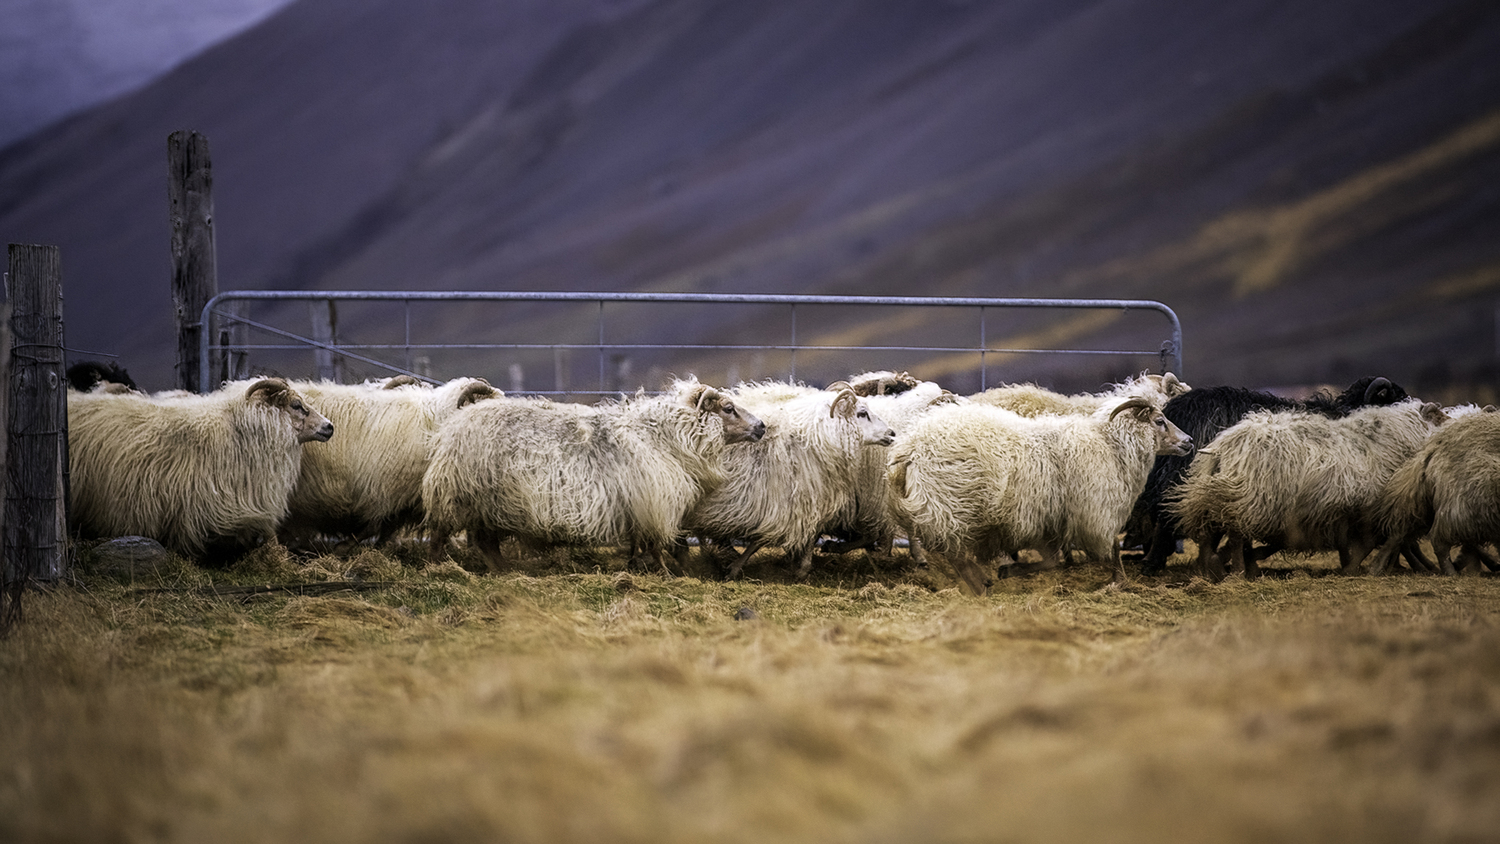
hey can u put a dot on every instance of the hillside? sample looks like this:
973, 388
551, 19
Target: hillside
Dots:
1312, 188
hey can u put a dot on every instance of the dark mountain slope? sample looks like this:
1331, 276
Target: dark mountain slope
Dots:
1311, 186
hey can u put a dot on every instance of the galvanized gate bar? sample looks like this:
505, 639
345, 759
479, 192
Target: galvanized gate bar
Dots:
1171, 351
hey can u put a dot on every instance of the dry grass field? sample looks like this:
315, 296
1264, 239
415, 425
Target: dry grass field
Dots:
571, 701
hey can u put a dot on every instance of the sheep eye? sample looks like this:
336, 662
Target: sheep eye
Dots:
296, 405
864, 415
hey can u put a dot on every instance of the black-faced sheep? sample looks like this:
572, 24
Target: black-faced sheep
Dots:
203, 475
1031, 400
971, 479
1205, 412
89, 375
1300, 481
798, 481
367, 482
556, 473
1449, 490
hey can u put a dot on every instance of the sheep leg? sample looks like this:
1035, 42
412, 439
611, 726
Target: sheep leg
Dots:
1161, 543
1470, 559
1486, 558
1241, 555
1210, 564
488, 543
1416, 559
971, 572
914, 548
804, 560
437, 546
738, 567
1386, 554
1443, 550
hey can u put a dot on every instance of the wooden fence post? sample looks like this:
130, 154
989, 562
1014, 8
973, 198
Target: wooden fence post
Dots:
194, 276
35, 528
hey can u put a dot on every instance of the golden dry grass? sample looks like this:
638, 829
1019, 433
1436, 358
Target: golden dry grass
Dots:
570, 701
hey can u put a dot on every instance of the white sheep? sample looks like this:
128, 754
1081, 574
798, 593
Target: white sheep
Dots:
203, 475
899, 399
368, 481
798, 481
1449, 490
556, 473
1031, 400
971, 480
1299, 481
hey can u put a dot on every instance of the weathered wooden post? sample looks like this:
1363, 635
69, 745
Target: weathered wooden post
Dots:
194, 276
35, 527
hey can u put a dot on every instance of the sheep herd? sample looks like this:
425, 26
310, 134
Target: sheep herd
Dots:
978, 479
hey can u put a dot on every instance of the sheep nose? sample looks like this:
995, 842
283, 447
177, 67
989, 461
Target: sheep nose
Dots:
758, 431
325, 431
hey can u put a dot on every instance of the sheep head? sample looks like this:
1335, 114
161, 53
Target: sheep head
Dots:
740, 425
1170, 439
883, 383
848, 405
1383, 391
308, 423
478, 390
1432, 413
401, 381
1172, 387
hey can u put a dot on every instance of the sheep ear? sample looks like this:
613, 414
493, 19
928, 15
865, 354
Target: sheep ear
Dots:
1433, 413
477, 391
1377, 387
1131, 404
843, 403
268, 390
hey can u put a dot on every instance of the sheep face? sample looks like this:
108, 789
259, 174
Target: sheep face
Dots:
1171, 441
740, 425
308, 423
872, 429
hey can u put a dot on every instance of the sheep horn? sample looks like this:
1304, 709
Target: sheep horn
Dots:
272, 387
1130, 404
400, 381
846, 399
477, 391
706, 398
1376, 387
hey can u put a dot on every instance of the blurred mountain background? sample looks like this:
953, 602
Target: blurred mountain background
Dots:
1313, 187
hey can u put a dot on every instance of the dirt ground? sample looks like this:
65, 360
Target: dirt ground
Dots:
570, 700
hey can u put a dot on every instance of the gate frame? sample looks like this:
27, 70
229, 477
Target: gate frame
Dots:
1170, 353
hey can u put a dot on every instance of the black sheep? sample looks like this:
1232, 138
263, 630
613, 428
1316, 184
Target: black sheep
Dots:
86, 375
1202, 413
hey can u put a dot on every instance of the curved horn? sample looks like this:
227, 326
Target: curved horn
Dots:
272, 387
1376, 387
843, 403
477, 391
706, 398
1130, 404
400, 381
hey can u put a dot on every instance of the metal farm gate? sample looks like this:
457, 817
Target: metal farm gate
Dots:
597, 344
